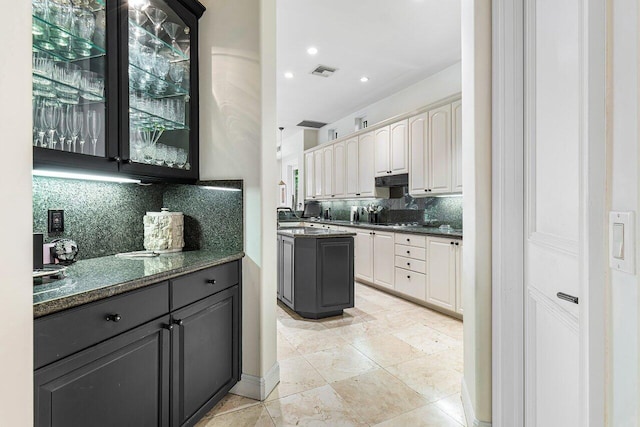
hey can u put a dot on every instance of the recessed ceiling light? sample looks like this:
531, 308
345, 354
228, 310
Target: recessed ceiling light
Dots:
312, 50
364, 79
288, 75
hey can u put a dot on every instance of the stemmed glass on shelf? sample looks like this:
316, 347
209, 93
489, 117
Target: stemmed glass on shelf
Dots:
51, 118
62, 127
75, 122
157, 17
94, 126
172, 29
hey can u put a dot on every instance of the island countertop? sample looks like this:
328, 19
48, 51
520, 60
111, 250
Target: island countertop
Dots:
97, 278
313, 233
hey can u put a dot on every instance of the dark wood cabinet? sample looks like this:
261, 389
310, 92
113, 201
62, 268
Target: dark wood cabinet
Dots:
315, 275
92, 369
145, 54
206, 349
121, 382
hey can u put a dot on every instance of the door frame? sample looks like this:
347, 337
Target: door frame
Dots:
508, 204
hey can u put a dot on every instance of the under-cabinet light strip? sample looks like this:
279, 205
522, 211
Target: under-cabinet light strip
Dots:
85, 177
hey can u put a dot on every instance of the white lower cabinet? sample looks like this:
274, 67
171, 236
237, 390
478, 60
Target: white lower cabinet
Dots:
364, 255
411, 283
459, 278
383, 247
441, 281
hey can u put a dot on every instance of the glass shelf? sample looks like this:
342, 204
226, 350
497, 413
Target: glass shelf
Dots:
62, 43
140, 119
46, 87
153, 86
143, 33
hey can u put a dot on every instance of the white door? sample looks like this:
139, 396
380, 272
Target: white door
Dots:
556, 127
383, 259
439, 155
441, 272
363, 243
318, 173
351, 171
399, 147
308, 176
382, 140
456, 147
327, 172
339, 163
418, 148
366, 175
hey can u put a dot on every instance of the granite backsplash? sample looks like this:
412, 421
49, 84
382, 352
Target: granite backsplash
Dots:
434, 211
106, 218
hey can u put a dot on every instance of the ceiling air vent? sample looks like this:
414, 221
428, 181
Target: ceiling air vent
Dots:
311, 124
324, 71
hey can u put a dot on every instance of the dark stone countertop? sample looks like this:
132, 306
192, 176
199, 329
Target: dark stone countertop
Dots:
97, 278
411, 229
313, 233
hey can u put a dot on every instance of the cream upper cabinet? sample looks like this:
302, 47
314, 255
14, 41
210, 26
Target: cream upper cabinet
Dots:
456, 139
441, 275
327, 172
382, 153
366, 175
339, 164
351, 171
439, 155
308, 175
417, 129
363, 262
318, 173
383, 259
399, 147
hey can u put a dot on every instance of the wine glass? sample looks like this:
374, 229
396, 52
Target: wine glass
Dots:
74, 126
51, 118
172, 156
94, 126
157, 17
62, 127
176, 72
172, 29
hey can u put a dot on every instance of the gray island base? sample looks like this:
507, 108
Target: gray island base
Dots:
315, 271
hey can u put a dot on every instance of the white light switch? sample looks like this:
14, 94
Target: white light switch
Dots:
621, 241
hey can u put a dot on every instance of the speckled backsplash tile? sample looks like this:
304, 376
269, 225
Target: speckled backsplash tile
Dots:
212, 218
428, 210
106, 218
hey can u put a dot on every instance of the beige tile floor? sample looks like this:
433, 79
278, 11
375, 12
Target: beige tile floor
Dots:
385, 362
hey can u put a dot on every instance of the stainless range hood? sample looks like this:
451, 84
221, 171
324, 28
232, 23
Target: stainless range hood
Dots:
395, 183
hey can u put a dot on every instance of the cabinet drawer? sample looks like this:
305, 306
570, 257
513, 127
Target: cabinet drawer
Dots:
411, 240
65, 333
411, 252
411, 264
201, 284
411, 283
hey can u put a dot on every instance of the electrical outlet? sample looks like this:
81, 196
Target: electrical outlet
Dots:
56, 221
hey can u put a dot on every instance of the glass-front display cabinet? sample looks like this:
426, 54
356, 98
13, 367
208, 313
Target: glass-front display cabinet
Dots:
115, 87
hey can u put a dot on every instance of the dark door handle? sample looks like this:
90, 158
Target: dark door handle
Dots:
113, 317
408, 252
567, 297
178, 322
211, 281
168, 326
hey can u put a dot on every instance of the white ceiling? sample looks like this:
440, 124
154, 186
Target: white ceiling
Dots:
393, 42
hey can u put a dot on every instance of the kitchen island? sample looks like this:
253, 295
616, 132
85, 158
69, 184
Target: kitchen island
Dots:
315, 271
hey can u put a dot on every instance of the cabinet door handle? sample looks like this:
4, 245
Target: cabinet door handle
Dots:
453, 243
168, 326
457, 244
357, 194
426, 189
211, 281
408, 240
567, 297
113, 317
178, 322
408, 277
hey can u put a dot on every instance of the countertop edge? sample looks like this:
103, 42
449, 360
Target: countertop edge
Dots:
53, 306
391, 229
328, 235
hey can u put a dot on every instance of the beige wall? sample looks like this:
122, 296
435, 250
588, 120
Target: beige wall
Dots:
16, 286
476, 159
238, 140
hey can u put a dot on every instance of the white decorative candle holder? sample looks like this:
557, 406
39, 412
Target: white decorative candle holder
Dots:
164, 231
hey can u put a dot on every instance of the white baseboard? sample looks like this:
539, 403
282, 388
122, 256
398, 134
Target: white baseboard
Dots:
469, 412
258, 388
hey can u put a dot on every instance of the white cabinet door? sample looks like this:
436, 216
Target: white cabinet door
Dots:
383, 259
418, 126
309, 188
339, 163
382, 141
439, 155
399, 147
364, 255
441, 272
327, 172
366, 175
456, 141
459, 278
318, 173
352, 167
